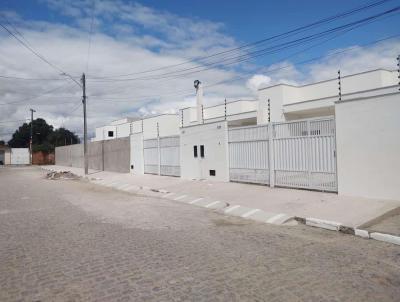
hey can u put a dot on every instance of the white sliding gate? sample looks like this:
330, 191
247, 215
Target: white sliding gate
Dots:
248, 154
169, 156
299, 154
162, 156
151, 158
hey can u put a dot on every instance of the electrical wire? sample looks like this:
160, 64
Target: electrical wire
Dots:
293, 31
276, 48
37, 96
110, 98
15, 121
39, 55
90, 37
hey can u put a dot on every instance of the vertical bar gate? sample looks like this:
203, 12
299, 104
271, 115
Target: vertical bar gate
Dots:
303, 154
248, 154
162, 156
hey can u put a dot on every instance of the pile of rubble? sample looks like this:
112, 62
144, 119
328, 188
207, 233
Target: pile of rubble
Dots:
61, 175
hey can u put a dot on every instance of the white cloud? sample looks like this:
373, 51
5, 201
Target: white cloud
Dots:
130, 38
257, 81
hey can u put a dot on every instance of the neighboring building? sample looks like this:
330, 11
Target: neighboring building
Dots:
5, 155
288, 102
164, 124
116, 129
306, 136
14, 156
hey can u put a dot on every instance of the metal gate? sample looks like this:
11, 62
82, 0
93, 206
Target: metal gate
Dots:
298, 154
305, 154
151, 157
248, 154
169, 156
162, 156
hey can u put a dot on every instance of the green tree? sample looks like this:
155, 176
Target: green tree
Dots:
45, 138
62, 136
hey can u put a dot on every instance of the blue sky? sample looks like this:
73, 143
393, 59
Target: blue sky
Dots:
134, 36
246, 21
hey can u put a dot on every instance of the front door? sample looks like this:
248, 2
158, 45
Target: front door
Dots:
199, 156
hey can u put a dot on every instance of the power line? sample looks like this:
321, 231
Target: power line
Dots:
39, 55
35, 97
190, 92
31, 79
288, 33
273, 49
15, 121
90, 37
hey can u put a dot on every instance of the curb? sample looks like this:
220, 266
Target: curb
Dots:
250, 213
338, 227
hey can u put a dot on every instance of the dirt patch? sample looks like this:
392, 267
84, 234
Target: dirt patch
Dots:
54, 175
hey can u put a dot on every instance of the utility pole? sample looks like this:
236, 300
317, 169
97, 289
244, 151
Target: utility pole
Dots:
86, 163
30, 141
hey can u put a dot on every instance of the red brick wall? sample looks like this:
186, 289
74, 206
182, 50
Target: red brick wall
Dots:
42, 158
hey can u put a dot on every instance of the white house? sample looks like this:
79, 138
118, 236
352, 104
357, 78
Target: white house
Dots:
167, 124
306, 136
288, 102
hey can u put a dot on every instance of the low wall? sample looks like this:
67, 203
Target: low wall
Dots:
20, 156
368, 146
112, 155
42, 158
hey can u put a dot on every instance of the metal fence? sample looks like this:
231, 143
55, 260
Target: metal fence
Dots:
162, 156
169, 156
248, 154
151, 156
299, 154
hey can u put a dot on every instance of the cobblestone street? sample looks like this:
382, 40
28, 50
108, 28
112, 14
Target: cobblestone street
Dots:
69, 240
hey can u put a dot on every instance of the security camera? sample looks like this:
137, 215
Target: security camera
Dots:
196, 84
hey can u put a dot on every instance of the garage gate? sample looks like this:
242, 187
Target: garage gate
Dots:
297, 154
162, 156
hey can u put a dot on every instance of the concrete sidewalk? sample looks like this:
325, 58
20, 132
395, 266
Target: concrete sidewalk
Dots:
349, 211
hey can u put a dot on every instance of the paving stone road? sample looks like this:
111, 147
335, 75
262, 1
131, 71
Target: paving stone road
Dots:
69, 240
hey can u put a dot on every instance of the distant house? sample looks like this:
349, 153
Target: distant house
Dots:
5, 155
14, 156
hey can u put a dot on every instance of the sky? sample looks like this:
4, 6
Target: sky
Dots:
141, 57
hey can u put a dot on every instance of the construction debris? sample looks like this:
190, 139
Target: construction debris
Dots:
54, 175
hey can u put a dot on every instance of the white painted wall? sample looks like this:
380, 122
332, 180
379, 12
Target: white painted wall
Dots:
137, 160
276, 96
217, 112
126, 120
20, 156
99, 134
284, 96
368, 146
123, 130
136, 126
168, 125
214, 137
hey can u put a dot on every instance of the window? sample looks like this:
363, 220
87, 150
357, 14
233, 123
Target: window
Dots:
202, 151
195, 151
212, 172
110, 133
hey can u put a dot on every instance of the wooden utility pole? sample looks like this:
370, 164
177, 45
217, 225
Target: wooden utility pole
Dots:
86, 163
30, 141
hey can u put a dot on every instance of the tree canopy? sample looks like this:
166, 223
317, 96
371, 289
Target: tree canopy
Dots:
44, 137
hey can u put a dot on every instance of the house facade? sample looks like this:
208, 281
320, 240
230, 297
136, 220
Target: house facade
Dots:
339, 135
